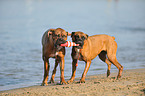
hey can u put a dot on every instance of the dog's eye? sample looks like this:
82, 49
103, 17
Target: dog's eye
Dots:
76, 36
57, 35
83, 38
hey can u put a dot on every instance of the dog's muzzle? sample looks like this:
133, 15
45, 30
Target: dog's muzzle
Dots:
80, 42
58, 42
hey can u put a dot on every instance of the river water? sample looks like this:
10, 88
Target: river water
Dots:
22, 24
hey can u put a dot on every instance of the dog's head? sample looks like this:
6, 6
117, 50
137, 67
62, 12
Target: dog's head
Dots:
79, 38
59, 36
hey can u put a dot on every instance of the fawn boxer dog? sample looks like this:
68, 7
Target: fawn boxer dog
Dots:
51, 48
91, 46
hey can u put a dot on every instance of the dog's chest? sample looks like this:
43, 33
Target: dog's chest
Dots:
52, 54
78, 55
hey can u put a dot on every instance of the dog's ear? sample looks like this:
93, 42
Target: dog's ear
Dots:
68, 34
72, 34
50, 31
87, 36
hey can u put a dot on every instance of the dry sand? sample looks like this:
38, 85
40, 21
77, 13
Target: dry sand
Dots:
132, 83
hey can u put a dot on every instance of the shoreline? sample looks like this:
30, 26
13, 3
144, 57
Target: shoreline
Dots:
132, 83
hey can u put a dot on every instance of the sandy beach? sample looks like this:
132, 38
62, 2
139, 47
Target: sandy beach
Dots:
22, 28
132, 83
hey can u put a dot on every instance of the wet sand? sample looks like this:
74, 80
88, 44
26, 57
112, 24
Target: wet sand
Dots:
132, 83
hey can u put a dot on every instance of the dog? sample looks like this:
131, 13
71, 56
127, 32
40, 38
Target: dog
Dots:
51, 48
91, 46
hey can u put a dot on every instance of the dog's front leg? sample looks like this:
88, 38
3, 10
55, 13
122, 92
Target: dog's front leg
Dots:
88, 63
62, 80
54, 71
46, 71
73, 70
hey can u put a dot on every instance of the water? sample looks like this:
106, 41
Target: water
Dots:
22, 24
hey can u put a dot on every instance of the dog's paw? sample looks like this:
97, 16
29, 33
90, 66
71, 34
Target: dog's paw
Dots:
44, 84
63, 82
69, 81
51, 81
81, 81
119, 76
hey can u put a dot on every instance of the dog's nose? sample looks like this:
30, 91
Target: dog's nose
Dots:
59, 41
79, 39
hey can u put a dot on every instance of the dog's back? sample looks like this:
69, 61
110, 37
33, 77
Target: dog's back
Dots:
99, 43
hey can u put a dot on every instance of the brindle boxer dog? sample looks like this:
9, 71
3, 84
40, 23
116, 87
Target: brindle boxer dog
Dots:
91, 46
51, 48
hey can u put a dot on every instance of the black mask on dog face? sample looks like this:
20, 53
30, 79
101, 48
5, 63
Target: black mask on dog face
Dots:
79, 38
58, 42
59, 37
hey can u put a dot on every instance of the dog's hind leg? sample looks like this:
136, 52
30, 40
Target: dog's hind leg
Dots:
46, 71
117, 64
104, 58
112, 57
54, 72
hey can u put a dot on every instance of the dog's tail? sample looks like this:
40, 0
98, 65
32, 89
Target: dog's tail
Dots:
113, 37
